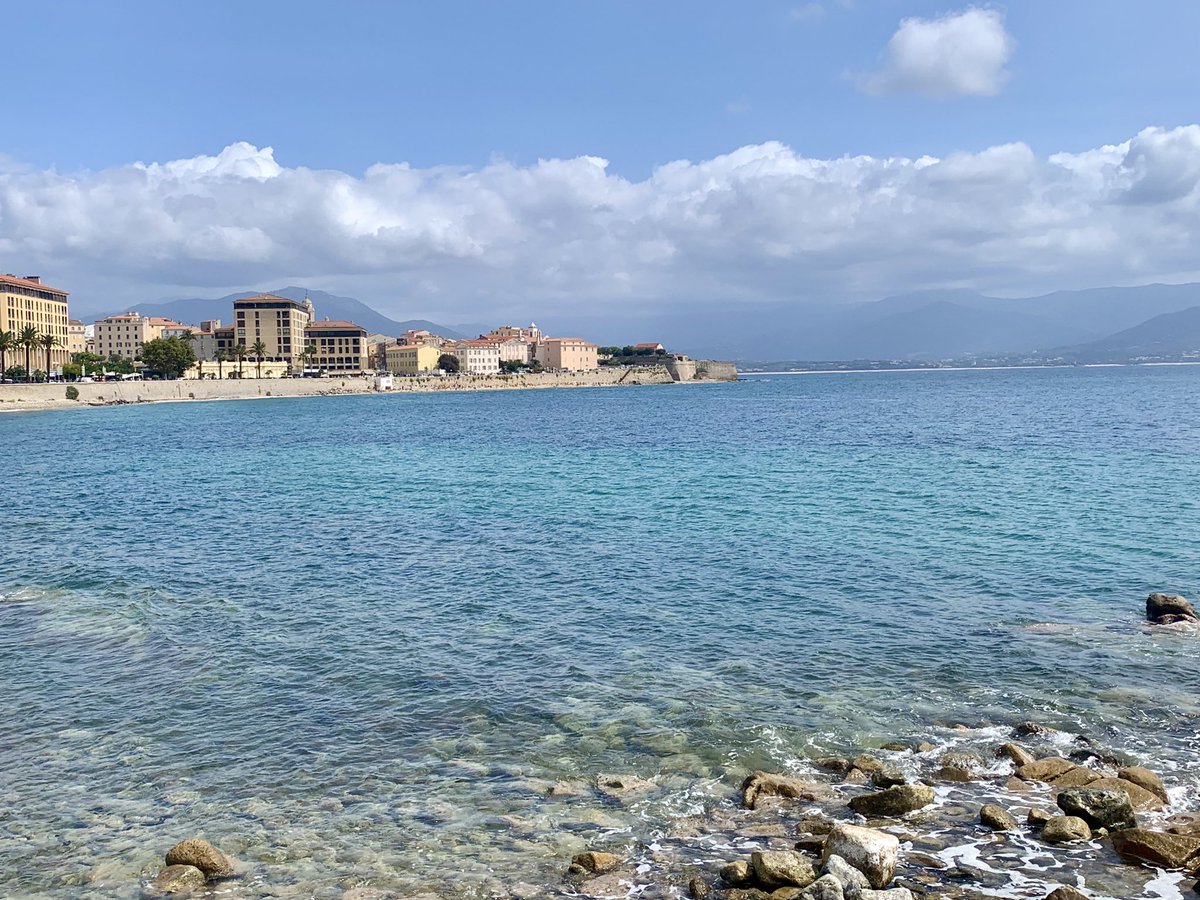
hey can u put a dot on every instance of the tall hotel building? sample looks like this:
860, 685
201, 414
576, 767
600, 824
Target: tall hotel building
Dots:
26, 301
276, 321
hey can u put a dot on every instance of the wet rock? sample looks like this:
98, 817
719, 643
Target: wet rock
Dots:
1146, 780
1026, 729
827, 887
925, 747
874, 853
1139, 798
179, 879
849, 878
1016, 785
1184, 823
1159, 848
891, 894
814, 825
613, 884
593, 862
203, 855
1099, 808
1160, 605
1018, 754
856, 776
1045, 769
766, 784
744, 894
925, 860
997, 818
1066, 893
1065, 830
1038, 817
698, 889
838, 764
867, 763
737, 873
568, 789
895, 746
894, 801
618, 787
782, 868
1076, 777
888, 776
811, 843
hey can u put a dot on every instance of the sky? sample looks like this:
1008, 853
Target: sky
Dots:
567, 160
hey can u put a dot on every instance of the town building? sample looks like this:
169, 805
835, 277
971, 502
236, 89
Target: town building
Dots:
421, 336
574, 354
124, 335
412, 359
77, 339
276, 321
656, 348
530, 335
476, 357
337, 346
512, 349
26, 302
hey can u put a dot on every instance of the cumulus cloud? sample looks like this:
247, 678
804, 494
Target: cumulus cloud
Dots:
570, 237
961, 54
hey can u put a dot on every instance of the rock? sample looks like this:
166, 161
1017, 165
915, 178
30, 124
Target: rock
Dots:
737, 873
736, 894
997, 818
926, 860
827, 887
874, 853
1159, 848
1139, 798
1099, 808
838, 764
949, 773
1045, 769
1038, 817
619, 787
593, 862
698, 889
856, 776
867, 763
1159, 605
895, 746
1065, 829
848, 877
179, 880
893, 894
1076, 777
925, 747
811, 843
782, 868
1066, 893
765, 784
1016, 785
203, 855
1018, 754
814, 825
894, 801
960, 760
888, 776
1025, 729
1146, 780
1183, 823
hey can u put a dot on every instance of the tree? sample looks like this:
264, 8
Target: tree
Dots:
448, 362
88, 362
48, 342
16, 373
512, 366
71, 371
27, 339
8, 341
239, 353
222, 358
171, 356
259, 349
308, 355
119, 364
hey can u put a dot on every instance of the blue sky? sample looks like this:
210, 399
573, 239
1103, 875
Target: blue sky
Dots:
491, 88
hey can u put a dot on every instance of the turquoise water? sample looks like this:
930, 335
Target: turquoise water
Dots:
354, 639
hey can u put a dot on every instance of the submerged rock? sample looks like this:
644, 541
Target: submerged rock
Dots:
1025, 729
202, 855
1065, 830
593, 862
894, 801
766, 784
997, 818
872, 852
782, 868
179, 880
618, 787
891, 894
1159, 848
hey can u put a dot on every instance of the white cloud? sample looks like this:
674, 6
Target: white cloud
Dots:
961, 54
572, 238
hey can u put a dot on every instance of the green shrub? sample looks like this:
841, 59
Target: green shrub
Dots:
72, 392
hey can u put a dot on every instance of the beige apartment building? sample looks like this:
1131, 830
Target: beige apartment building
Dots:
338, 346
27, 302
512, 349
412, 359
126, 334
574, 354
276, 321
77, 339
476, 357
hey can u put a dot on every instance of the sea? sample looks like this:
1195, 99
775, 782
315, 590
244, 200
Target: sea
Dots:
389, 643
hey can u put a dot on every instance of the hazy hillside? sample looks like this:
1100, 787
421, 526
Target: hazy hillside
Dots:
193, 311
1169, 334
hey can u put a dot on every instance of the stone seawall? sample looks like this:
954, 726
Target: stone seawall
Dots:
53, 396
701, 370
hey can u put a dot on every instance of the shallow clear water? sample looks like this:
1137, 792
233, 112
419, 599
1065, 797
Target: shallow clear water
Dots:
352, 640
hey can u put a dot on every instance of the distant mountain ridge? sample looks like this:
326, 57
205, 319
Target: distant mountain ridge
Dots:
1168, 334
195, 310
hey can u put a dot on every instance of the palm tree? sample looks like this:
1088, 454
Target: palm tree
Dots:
27, 338
222, 357
239, 353
307, 356
259, 349
48, 343
8, 341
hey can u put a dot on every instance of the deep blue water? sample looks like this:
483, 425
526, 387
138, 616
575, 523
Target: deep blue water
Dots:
343, 635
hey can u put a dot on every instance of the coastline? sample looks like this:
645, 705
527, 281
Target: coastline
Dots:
752, 374
48, 397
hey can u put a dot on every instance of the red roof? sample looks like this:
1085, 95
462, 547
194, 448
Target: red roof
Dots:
25, 282
335, 324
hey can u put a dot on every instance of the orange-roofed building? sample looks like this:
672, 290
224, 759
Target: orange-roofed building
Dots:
337, 346
26, 302
125, 335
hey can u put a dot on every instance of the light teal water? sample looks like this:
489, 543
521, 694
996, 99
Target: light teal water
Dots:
354, 639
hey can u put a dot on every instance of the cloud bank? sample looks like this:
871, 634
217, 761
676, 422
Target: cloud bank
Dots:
958, 55
569, 237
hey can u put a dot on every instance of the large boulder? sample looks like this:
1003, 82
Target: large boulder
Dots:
1160, 605
1018, 754
1146, 780
849, 877
782, 868
894, 801
766, 784
874, 853
737, 873
179, 880
1170, 851
892, 894
202, 855
827, 887
1099, 808
1139, 798
1065, 830
1045, 769
1080, 776
996, 817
